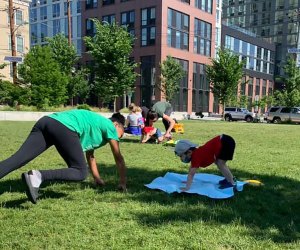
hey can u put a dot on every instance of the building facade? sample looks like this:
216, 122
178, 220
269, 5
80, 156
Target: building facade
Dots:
219, 4
21, 33
259, 56
50, 17
275, 20
183, 29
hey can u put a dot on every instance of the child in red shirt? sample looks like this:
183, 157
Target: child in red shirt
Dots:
217, 150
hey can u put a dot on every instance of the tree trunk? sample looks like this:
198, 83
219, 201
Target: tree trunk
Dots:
115, 104
124, 100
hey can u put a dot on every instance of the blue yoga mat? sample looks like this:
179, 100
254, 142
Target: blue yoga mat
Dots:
203, 184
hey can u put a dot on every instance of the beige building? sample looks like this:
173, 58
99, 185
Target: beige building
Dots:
21, 32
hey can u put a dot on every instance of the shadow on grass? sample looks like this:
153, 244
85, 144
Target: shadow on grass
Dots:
49, 194
131, 139
17, 186
14, 186
16, 204
269, 212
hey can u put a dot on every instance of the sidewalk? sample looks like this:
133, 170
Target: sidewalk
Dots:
34, 116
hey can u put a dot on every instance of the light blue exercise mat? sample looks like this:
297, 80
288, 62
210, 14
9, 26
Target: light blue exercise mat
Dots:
203, 184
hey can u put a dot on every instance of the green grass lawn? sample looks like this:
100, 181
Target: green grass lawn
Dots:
80, 216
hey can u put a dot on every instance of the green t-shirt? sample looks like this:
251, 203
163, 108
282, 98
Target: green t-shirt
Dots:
93, 129
161, 107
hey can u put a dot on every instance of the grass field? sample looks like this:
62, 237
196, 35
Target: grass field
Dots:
80, 216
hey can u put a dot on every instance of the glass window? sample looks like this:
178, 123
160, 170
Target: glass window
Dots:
90, 28
270, 91
33, 15
20, 44
78, 7
43, 13
250, 86
78, 26
108, 2
244, 47
19, 17
44, 31
202, 37
78, 47
56, 27
205, 5
128, 19
148, 28
56, 10
33, 35
285, 110
259, 52
109, 19
236, 46
91, 4
258, 65
257, 86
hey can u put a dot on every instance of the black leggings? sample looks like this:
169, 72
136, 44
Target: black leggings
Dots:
45, 133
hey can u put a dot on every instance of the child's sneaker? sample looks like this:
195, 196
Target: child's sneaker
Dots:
225, 185
222, 182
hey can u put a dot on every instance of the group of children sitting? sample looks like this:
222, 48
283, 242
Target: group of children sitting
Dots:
218, 150
137, 124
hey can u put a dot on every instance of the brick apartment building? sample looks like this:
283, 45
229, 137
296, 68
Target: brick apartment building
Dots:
183, 29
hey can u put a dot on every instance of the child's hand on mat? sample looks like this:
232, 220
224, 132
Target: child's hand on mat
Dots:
99, 182
167, 136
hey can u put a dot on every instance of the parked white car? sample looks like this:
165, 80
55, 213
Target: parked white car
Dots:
283, 114
236, 114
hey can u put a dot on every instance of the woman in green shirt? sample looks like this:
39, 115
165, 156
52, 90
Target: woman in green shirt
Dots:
72, 133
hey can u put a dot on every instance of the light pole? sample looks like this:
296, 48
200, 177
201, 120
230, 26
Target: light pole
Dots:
69, 22
11, 14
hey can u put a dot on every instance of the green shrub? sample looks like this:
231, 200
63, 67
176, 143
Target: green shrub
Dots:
14, 95
84, 106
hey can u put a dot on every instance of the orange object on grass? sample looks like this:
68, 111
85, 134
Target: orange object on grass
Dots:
178, 128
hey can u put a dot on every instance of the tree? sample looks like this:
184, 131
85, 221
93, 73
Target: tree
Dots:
63, 53
224, 75
2, 66
66, 57
41, 73
78, 85
110, 49
290, 95
264, 102
171, 74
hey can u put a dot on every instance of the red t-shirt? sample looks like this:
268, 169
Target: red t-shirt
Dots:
207, 154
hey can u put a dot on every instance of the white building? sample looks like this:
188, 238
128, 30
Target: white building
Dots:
21, 33
50, 17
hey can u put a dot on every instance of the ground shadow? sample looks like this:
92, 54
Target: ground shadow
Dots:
131, 139
15, 204
14, 186
50, 194
270, 212
263, 209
